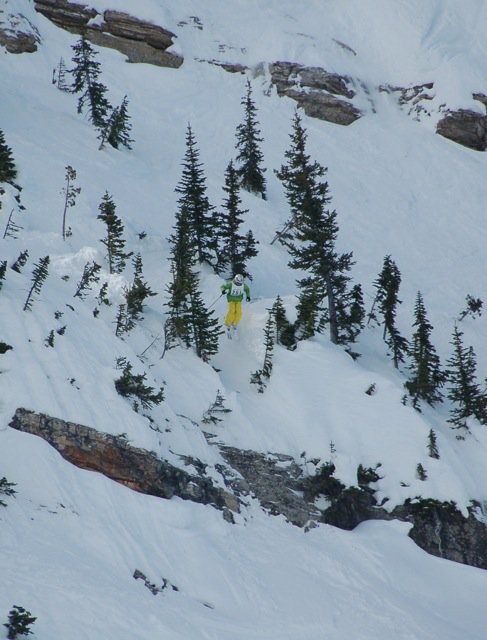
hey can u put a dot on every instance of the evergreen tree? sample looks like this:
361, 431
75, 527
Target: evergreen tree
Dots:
250, 157
6, 488
117, 128
39, 275
426, 376
136, 294
284, 329
211, 415
85, 81
90, 276
70, 193
182, 263
20, 262
134, 385
234, 249
194, 206
19, 622
464, 391
310, 236
113, 241
387, 285
205, 327
261, 376
8, 170
432, 445
11, 228
3, 271
59, 76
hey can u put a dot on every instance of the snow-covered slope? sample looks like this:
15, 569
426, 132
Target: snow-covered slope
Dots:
71, 540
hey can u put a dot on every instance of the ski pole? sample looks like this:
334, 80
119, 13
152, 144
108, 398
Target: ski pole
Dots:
215, 301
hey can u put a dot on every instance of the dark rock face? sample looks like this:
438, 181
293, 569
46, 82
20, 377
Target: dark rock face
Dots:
465, 127
442, 530
140, 41
277, 481
17, 34
316, 91
135, 468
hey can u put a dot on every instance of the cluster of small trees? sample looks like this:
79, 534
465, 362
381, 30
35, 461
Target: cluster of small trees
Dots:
112, 123
328, 300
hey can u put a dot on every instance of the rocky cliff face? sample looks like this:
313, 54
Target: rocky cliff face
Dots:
17, 34
279, 483
139, 40
321, 94
113, 457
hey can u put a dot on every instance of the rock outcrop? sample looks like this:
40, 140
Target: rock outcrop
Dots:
280, 484
442, 530
466, 127
139, 40
17, 34
112, 456
316, 91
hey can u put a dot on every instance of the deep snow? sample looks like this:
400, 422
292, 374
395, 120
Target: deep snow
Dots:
71, 539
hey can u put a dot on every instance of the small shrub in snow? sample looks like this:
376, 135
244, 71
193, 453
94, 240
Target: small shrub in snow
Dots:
20, 262
6, 489
19, 622
133, 385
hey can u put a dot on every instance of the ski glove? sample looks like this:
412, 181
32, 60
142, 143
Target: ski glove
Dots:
248, 298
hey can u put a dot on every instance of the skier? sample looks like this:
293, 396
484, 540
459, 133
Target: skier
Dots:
235, 290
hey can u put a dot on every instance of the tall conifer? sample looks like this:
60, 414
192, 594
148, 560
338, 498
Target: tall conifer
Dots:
426, 376
464, 390
387, 300
310, 235
250, 157
113, 241
8, 170
85, 81
234, 249
194, 206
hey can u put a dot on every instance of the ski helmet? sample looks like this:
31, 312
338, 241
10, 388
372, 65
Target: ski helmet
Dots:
238, 279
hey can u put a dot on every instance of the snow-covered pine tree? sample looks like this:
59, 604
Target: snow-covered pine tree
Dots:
250, 157
205, 327
117, 128
20, 261
426, 377
8, 170
11, 228
464, 390
433, 445
310, 236
234, 249
89, 277
138, 291
85, 81
59, 76
284, 329
261, 376
70, 193
194, 205
134, 385
39, 275
182, 250
3, 271
211, 415
19, 623
6, 487
387, 300
113, 241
